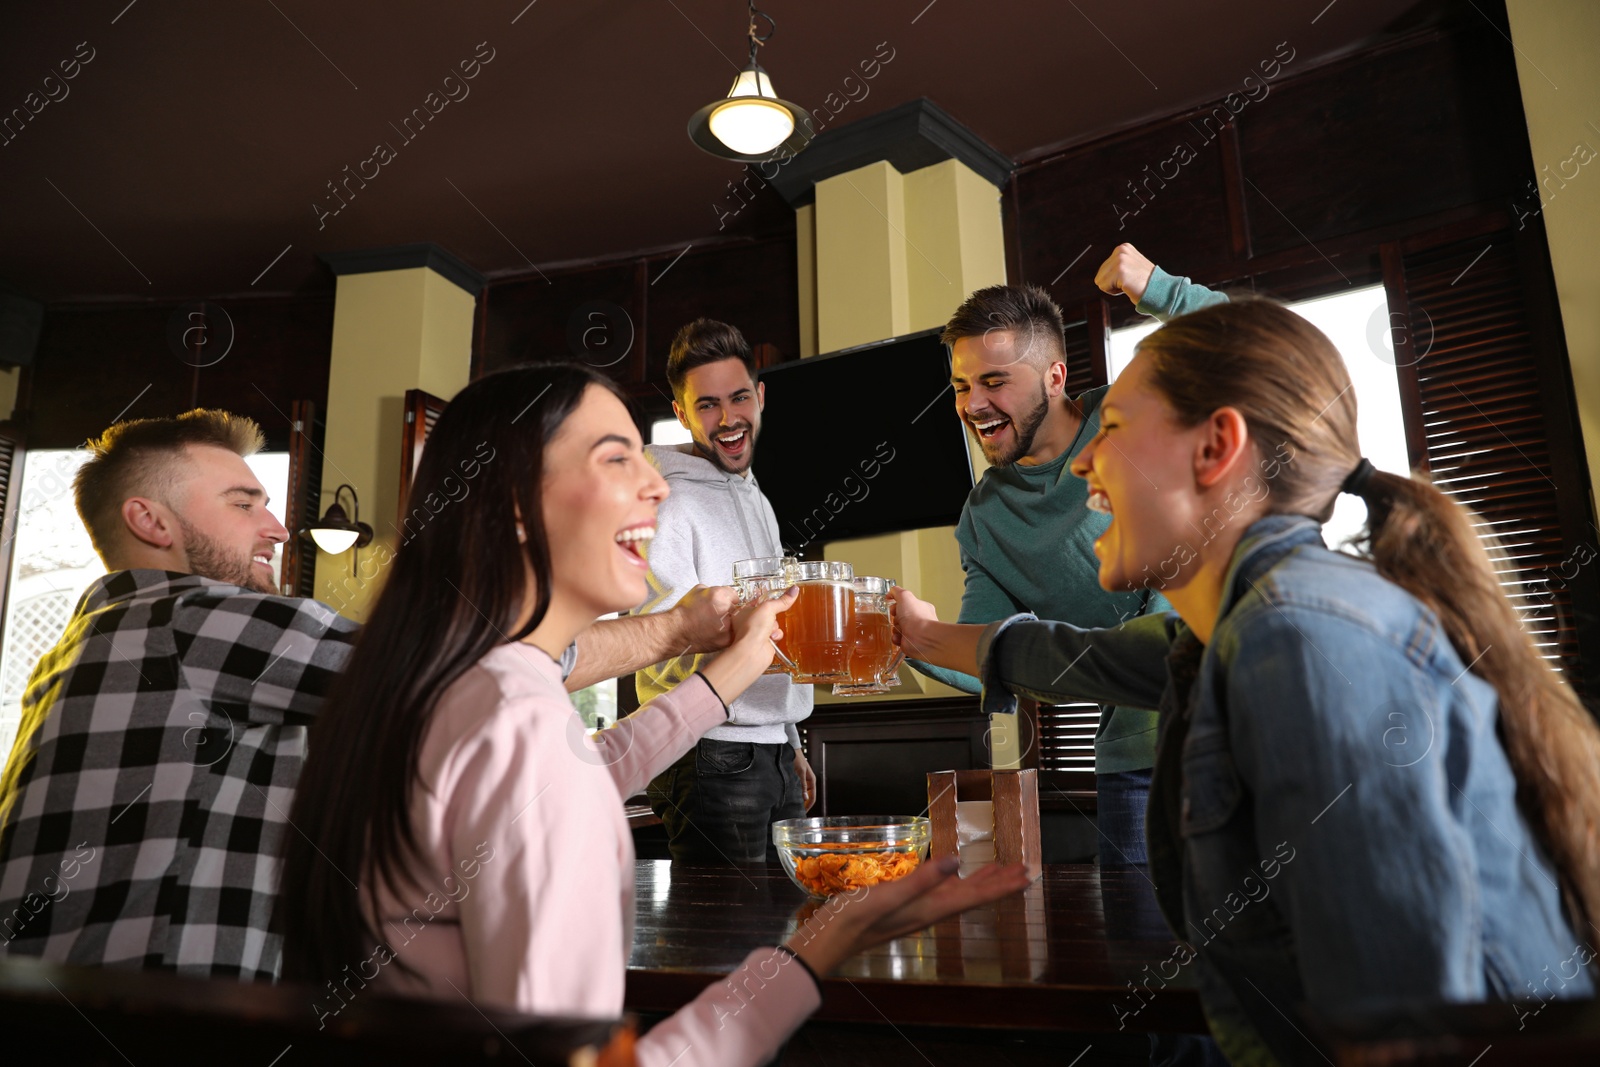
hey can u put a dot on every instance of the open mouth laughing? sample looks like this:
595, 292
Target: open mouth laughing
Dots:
989, 429
734, 444
631, 542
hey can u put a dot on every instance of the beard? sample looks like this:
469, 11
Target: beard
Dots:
210, 558
1024, 427
708, 450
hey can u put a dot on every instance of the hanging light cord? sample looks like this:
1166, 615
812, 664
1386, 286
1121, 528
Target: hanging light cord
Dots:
758, 39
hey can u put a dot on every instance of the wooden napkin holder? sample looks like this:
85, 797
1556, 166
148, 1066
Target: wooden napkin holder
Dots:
1015, 795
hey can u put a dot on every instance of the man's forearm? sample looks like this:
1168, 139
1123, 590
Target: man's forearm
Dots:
614, 647
951, 645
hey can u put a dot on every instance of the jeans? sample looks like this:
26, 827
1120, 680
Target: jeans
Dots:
719, 801
1120, 799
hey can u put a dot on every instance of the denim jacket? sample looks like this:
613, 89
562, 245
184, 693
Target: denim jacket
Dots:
1332, 819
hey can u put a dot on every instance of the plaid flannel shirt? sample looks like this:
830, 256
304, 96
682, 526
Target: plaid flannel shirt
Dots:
143, 807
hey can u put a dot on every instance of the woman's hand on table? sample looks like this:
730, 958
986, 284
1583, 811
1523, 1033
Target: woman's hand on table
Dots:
850, 923
755, 626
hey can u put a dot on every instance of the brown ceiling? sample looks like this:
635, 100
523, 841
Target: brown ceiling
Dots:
189, 152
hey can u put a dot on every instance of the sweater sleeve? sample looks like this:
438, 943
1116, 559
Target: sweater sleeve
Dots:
739, 1021
1056, 662
647, 742
1166, 297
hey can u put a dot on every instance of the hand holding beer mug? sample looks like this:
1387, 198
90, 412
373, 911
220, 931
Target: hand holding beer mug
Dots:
767, 576
875, 657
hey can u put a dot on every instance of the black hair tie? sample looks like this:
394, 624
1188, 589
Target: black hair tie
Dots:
1356, 481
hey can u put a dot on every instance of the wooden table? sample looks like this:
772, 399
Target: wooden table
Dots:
1059, 957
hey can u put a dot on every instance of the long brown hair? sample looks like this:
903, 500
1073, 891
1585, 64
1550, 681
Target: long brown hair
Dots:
1290, 384
457, 588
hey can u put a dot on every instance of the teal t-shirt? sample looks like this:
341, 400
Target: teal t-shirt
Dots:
1027, 544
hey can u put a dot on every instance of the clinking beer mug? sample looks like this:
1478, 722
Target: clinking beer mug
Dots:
874, 657
819, 628
767, 576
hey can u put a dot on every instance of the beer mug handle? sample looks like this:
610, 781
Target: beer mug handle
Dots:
788, 664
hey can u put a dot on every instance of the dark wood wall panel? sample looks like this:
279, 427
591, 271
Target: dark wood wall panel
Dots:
1403, 134
1316, 173
281, 353
94, 364
756, 287
1071, 210
531, 318
621, 316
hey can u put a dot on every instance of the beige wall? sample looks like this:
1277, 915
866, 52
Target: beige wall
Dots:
1558, 66
887, 254
392, 331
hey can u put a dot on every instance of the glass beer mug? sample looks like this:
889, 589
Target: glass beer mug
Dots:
874, 657
764, 575
818, 629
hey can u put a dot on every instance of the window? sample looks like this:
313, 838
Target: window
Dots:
669, 432
597, 705
54, 561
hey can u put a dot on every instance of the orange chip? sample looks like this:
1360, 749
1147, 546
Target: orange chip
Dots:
831, 872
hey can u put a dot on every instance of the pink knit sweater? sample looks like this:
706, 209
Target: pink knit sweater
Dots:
525, 900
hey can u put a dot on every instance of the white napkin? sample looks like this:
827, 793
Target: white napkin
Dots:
974, 834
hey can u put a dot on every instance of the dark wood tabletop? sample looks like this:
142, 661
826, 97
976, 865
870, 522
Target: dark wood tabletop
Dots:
1082, 949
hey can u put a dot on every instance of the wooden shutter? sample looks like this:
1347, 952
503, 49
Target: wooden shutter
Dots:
1486, 402
1084, 344
12, 450
422, 411
298, 575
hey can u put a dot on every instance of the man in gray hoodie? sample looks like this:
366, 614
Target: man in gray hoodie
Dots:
719, 801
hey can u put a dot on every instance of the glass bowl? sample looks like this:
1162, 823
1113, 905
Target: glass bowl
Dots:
835, 855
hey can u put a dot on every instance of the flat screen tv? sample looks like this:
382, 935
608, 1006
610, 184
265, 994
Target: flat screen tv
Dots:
863, 441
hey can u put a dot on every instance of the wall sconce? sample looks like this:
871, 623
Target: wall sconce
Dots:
336, 531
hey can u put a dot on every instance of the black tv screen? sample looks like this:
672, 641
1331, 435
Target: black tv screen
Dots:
863, 441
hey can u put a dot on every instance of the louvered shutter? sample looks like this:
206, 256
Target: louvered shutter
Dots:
299, 572
1484, 413
422, 411
12, 450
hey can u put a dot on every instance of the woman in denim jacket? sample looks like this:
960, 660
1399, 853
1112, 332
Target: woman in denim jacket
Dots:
1369, 786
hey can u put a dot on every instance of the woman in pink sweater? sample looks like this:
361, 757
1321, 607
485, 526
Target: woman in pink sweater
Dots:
462, 836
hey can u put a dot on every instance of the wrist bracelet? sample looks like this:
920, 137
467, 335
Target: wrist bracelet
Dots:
702, 676
796, 957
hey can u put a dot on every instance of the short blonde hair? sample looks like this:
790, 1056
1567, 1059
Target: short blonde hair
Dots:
140, 458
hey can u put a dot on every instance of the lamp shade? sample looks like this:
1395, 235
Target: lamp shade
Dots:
336, 532
334, 542
752, 122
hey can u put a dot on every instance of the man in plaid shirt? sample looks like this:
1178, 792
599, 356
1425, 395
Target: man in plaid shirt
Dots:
144, 804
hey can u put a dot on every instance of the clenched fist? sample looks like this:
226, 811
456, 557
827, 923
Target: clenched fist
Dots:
1125, 271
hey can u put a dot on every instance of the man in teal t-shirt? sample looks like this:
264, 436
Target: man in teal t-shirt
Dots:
1026, 533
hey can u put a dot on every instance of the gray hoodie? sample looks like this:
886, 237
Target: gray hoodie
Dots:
711, 520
